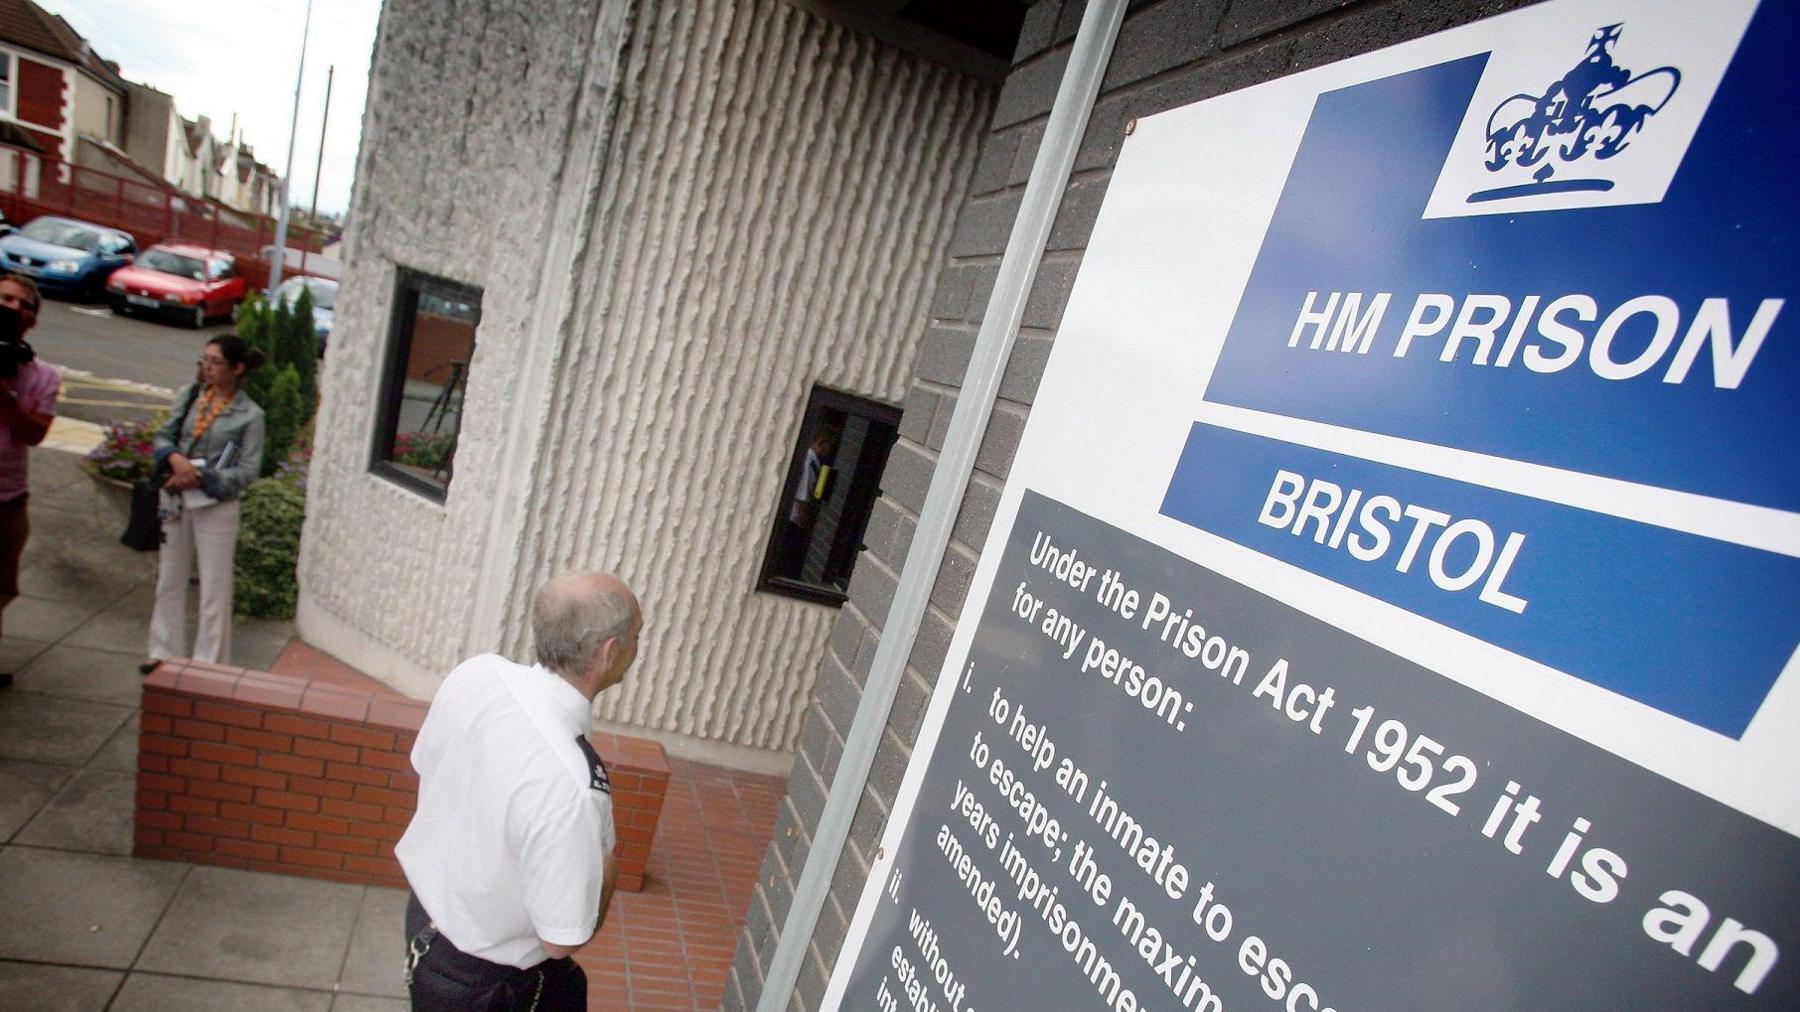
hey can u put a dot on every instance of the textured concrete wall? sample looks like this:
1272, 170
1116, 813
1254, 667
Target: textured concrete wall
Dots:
1169, 54
472, 112
772, 192
779, 191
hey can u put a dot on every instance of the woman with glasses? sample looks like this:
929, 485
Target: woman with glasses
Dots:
213, 446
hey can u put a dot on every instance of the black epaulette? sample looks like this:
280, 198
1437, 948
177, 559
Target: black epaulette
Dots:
597, 778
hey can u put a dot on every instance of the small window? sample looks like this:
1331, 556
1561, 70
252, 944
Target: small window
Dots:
220, 269
431, 340
7, 62
832, 480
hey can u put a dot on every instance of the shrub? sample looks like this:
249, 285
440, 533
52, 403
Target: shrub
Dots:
284, 334
255, 324
298, 346
284, 415
268, 549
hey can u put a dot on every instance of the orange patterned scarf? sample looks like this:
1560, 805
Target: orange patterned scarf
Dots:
210, 406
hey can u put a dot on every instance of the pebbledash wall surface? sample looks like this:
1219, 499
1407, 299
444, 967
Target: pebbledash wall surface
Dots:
681, 216
1621, 829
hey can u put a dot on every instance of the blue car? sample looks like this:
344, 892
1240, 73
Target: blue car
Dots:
324, 299
67, 257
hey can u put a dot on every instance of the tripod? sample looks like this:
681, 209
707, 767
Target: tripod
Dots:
439, 412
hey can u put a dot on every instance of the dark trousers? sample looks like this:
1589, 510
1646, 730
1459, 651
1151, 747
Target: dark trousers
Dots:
446, 979
15, 527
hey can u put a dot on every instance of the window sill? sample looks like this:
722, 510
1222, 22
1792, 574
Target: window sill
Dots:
422, 487
810, 592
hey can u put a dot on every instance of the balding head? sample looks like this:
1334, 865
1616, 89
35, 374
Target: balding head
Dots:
586, 625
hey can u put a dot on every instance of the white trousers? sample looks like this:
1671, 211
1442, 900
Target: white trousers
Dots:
210, 533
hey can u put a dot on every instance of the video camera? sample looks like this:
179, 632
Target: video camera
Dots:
14, 352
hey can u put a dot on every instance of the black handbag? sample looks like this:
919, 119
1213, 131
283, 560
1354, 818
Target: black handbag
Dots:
143, 531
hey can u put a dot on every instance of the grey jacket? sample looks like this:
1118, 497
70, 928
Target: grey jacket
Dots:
241, 422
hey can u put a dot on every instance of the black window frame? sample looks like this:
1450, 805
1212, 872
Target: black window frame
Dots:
820, 399
409, 284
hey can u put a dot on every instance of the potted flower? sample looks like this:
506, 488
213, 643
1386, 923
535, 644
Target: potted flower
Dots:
125, 454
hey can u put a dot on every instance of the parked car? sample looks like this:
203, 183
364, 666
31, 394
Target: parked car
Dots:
193, 284
65, 256
6, 226
324, 297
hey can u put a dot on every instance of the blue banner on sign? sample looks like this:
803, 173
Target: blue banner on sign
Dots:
1655, 343
1697, 628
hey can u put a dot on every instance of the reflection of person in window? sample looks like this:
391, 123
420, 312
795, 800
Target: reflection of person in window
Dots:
803, 504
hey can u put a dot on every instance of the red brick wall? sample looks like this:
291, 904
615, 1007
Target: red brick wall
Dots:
40, 99
272, 773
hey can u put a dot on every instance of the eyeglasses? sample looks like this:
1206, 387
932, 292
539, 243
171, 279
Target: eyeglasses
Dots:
210, 360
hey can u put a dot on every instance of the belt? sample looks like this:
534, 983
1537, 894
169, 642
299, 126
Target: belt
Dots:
467, 970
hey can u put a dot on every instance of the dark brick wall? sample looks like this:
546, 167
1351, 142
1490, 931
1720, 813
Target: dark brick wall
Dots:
1169, 54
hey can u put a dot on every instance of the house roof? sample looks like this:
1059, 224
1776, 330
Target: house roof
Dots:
119, 162
25, 24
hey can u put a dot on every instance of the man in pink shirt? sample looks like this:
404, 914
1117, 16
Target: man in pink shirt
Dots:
28, 391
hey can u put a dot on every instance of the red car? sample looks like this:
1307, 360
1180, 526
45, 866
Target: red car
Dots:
191, 283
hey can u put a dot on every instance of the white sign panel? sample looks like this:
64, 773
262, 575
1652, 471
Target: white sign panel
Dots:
1394, 601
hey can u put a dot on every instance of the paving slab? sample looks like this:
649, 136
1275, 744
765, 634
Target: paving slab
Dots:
149, 992
120, 751
369, 1003
44, 988
118, 630
125, 624
141, 600
40, 618
55, 729
377, 945
24, 788
17, 651
74, 566
92, 813
81, 909
255, 643
84, 498
251, 926
101, 676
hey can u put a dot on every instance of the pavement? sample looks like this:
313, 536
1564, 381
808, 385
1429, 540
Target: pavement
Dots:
86, 926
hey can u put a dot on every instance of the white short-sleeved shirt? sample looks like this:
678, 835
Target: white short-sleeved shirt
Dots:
515, 821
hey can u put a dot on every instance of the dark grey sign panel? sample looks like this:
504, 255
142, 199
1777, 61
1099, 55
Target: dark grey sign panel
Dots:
1157, 788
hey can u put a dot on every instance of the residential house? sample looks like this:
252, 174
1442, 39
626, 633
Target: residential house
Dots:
243, 183
154, 137
53, 85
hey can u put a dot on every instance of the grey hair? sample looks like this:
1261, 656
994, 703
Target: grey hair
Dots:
575, 614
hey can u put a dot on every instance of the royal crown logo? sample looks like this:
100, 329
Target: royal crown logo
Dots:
1593, 112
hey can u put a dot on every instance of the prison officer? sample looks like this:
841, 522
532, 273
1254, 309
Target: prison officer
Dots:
510, 852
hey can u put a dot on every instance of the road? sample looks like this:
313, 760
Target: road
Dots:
116, 367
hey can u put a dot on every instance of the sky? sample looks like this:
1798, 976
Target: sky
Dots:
220, 57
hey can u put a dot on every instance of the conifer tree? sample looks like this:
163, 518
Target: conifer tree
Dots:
283, 418
299, 348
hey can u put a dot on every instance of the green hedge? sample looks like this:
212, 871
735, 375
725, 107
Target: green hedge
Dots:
268, 549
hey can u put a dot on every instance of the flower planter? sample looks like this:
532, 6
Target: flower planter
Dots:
112, 499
